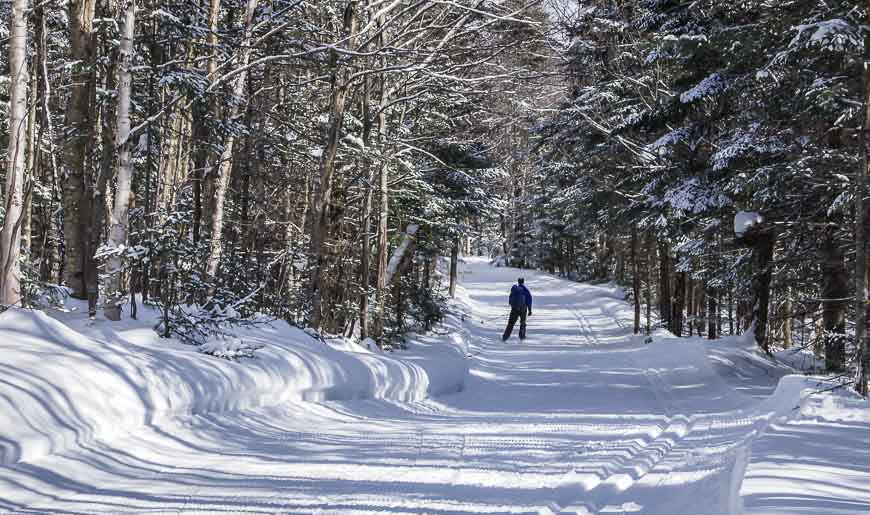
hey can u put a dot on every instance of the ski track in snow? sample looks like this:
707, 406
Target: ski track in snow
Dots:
582, 417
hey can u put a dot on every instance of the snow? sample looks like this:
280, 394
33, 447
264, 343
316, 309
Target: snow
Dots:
401, 250
662, 146
73, 382
582, 417
354, 141
801, 359
229, 348
832, 34
710, 86
691, 196
744, 220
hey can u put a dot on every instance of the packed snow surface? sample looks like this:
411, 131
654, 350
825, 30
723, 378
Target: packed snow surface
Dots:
582, 417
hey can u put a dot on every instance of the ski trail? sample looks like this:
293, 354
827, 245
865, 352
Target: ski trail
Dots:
579, 418
586, 329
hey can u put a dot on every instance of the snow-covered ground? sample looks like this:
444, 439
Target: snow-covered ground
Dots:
582, 417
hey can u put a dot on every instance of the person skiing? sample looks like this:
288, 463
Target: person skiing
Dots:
520, 301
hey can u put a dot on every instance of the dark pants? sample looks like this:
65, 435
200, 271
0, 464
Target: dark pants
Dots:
515, 314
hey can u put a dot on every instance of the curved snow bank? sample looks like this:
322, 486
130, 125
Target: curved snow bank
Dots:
66, 383
735, 372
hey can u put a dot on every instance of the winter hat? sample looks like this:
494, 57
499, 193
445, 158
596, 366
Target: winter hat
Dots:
520, 280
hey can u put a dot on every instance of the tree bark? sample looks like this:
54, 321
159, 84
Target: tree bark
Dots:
635, 278
701, 304
365, 219
712, 314
679, 304
225, 164
862, 218
123, 187
454, 267
785, 315
763, 245
835, 290
323, 197
32, 166
10, 235
690, 304
665, 285
79, 121
650, 257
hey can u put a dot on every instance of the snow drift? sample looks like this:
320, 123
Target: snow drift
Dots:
66, 382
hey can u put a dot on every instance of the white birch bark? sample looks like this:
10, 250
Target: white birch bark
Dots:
120, 211
10, 235
402, 254
225, 162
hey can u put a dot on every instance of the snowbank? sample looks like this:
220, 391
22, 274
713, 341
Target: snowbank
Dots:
801, 359
66, 382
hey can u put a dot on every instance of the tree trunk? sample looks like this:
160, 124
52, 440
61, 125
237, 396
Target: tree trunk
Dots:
730, 310
701, 304
365, 259
713, 314
203, 177
53, 224
862, 218
10, 235
665, 285
123, 187
383, 250
785, 315
365, 217
79, 121
323, 198
98, 210
454, 267
835, 290
225, 163
650, 257
763, 246
690, 304
32, 159
679, 304
200, 135
635, 278
383, 228
211, 177
620, 266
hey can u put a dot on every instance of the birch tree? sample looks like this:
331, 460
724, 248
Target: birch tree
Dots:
10, 235
225, 162
120, 211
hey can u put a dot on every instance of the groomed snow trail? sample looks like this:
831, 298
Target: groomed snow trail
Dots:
582, 417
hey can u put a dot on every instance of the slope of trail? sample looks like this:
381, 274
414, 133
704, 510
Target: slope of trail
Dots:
582, 417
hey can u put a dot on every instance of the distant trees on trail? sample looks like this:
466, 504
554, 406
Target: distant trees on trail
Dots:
680, 117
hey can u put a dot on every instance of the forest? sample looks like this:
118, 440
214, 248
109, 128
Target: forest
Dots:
315, 161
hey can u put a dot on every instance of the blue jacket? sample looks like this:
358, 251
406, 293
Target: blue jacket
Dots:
519, 292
